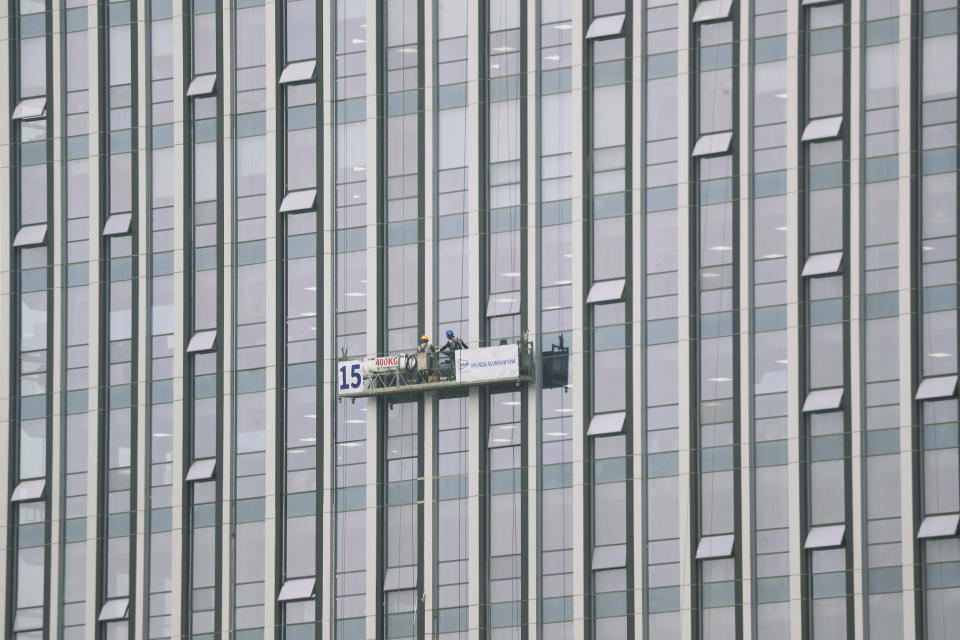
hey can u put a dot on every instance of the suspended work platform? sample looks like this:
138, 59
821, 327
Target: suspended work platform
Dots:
421, 371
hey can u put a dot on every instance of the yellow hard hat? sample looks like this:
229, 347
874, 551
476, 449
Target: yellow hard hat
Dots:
425, 337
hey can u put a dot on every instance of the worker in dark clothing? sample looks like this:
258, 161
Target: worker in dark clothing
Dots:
453, 343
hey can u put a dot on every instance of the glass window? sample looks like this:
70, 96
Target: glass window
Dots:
30, 577
712, 144
610, 513
715, 547
712, 10
606, 291
770, 92
299, 589
822, 129
941, 481
606, 423
205, 43
202, 85
609, 116
31, 108
824, 537
33, 194
609, 255
827, 492
33, 67
114, 609
299, 201
606, 26
119, 55
823, 400
716, 100
202, 341
940, 74
610, 368
825, 92
826, 355
28, 490
941, 387
882, 82
939, 526
118, 224
30, 236
822, 263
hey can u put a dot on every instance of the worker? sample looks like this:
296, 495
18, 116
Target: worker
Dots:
453, 343
424, 345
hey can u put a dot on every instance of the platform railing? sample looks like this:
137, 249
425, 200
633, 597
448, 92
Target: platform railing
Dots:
421, 371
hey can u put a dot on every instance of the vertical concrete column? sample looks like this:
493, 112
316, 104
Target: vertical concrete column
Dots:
6, 301
855, 393
579, 137
180, 280
685, 277
326, 63
532, 427
139, 597
93, 290
275, 315
637, 394
58, 322
476, 447
911, 588
374, 128
428, 420
226, 344
743, 148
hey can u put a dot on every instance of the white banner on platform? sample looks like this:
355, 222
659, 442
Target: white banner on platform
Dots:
489, 363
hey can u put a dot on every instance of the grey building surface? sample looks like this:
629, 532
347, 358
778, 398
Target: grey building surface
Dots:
725, 234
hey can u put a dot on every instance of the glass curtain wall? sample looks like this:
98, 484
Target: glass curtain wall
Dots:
715, 164
768, 293
450, 469
662, 519
161, 320
502, 219
31, 257
936, 264
879, 202
350, 319
607, 220
403, 522
204, 285
300, 448
250, 309
505, 193
506, 588
118, 356
556, 315
402, 287
402, 216
76, 301
825, 314
451, 52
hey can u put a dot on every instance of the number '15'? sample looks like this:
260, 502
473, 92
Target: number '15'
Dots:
355, 379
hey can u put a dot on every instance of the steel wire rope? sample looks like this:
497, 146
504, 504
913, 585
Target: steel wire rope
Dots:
503, 134
566, 513
717, 84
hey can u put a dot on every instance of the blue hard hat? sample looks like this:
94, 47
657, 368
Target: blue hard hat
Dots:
449, 333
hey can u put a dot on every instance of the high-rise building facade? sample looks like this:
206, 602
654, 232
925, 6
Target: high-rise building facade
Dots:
724, 234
